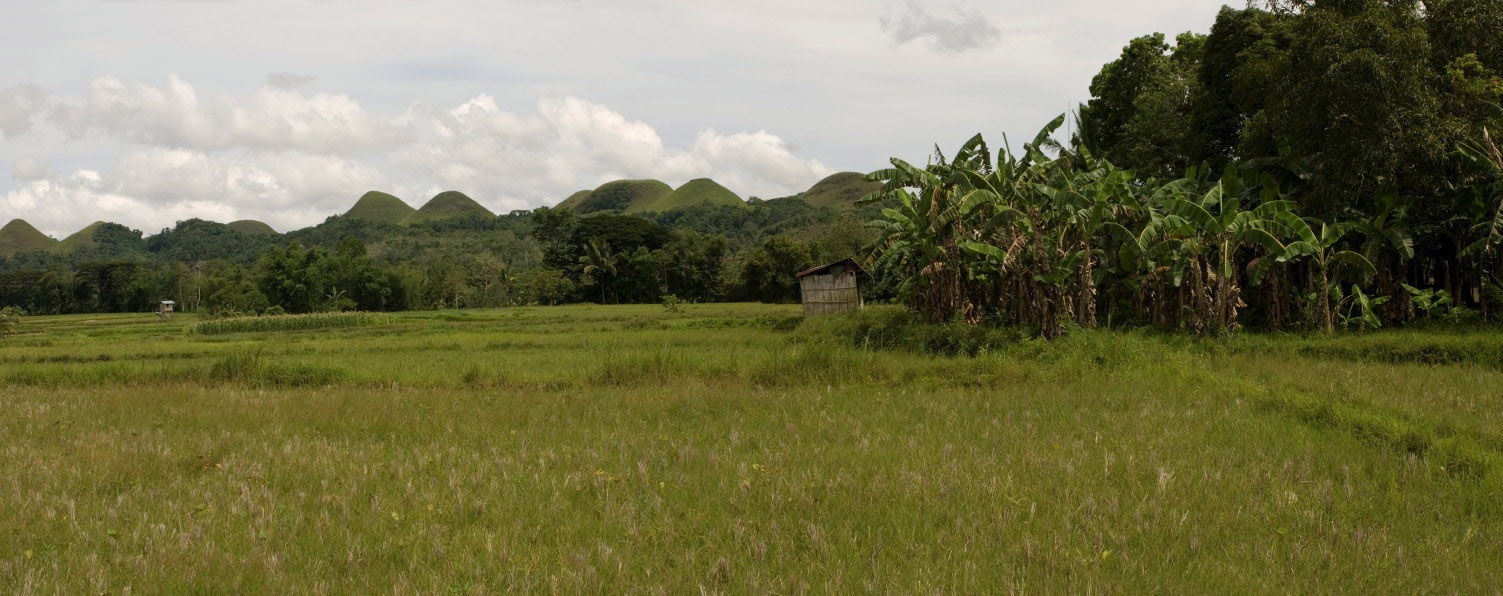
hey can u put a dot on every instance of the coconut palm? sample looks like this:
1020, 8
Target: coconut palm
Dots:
598, 264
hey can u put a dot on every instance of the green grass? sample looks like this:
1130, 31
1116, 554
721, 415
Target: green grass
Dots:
18, 236
590, 449
289, 323
377, 206
840, 191
700, 191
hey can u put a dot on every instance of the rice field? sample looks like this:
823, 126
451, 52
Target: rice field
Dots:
736, 449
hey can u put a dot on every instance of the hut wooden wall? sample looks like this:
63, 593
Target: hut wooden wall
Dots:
827, 294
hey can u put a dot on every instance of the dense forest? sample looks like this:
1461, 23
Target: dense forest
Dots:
1305, 164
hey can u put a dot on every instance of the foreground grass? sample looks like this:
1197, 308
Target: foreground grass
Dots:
624, 449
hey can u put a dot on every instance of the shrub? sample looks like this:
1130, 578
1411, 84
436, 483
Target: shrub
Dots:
10, 319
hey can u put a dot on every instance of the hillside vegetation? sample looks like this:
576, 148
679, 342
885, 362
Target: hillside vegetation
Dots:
19, 236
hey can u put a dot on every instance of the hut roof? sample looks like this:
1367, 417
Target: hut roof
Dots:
843, 264
168, 302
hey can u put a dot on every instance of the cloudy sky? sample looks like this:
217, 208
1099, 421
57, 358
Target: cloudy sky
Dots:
146, 113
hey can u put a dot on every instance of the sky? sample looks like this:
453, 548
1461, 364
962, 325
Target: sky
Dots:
146, 113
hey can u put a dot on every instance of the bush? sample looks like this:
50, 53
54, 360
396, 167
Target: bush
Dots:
10, 319
670, 303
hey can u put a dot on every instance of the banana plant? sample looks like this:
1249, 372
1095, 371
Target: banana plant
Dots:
1321, 250
1364, 307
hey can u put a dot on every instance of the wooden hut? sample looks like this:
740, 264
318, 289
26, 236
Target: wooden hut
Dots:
164, 309
833, 288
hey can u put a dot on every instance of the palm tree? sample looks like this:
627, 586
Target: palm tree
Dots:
599, 263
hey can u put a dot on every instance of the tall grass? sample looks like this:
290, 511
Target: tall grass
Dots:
574, 450
290, 323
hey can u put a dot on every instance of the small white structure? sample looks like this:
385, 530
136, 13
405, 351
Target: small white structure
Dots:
164, 310
833, 288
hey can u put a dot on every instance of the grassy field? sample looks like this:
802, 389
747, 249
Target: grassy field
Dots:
726, 448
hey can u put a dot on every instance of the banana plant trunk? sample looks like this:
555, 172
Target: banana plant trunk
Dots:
1327, 323
1086, 306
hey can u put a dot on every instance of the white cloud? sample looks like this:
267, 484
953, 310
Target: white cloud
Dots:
150, 189
271, 118
959, 31
515, 161
17, 106
291, 159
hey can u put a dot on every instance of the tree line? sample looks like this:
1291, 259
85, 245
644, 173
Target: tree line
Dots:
546, 256
1306, 164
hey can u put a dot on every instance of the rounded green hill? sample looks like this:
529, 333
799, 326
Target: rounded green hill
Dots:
379, 207
19, 236
446, 205
79, 240
250, 226
623, 195
840, 191
700, 191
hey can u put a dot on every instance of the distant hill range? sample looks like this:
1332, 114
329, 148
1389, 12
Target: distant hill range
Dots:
379, 207
838, 192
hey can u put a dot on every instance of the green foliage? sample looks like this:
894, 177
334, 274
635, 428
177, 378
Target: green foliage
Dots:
10, 320
198, 240
103, 241
767, 273
597, 265
1429, 301
670, 303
